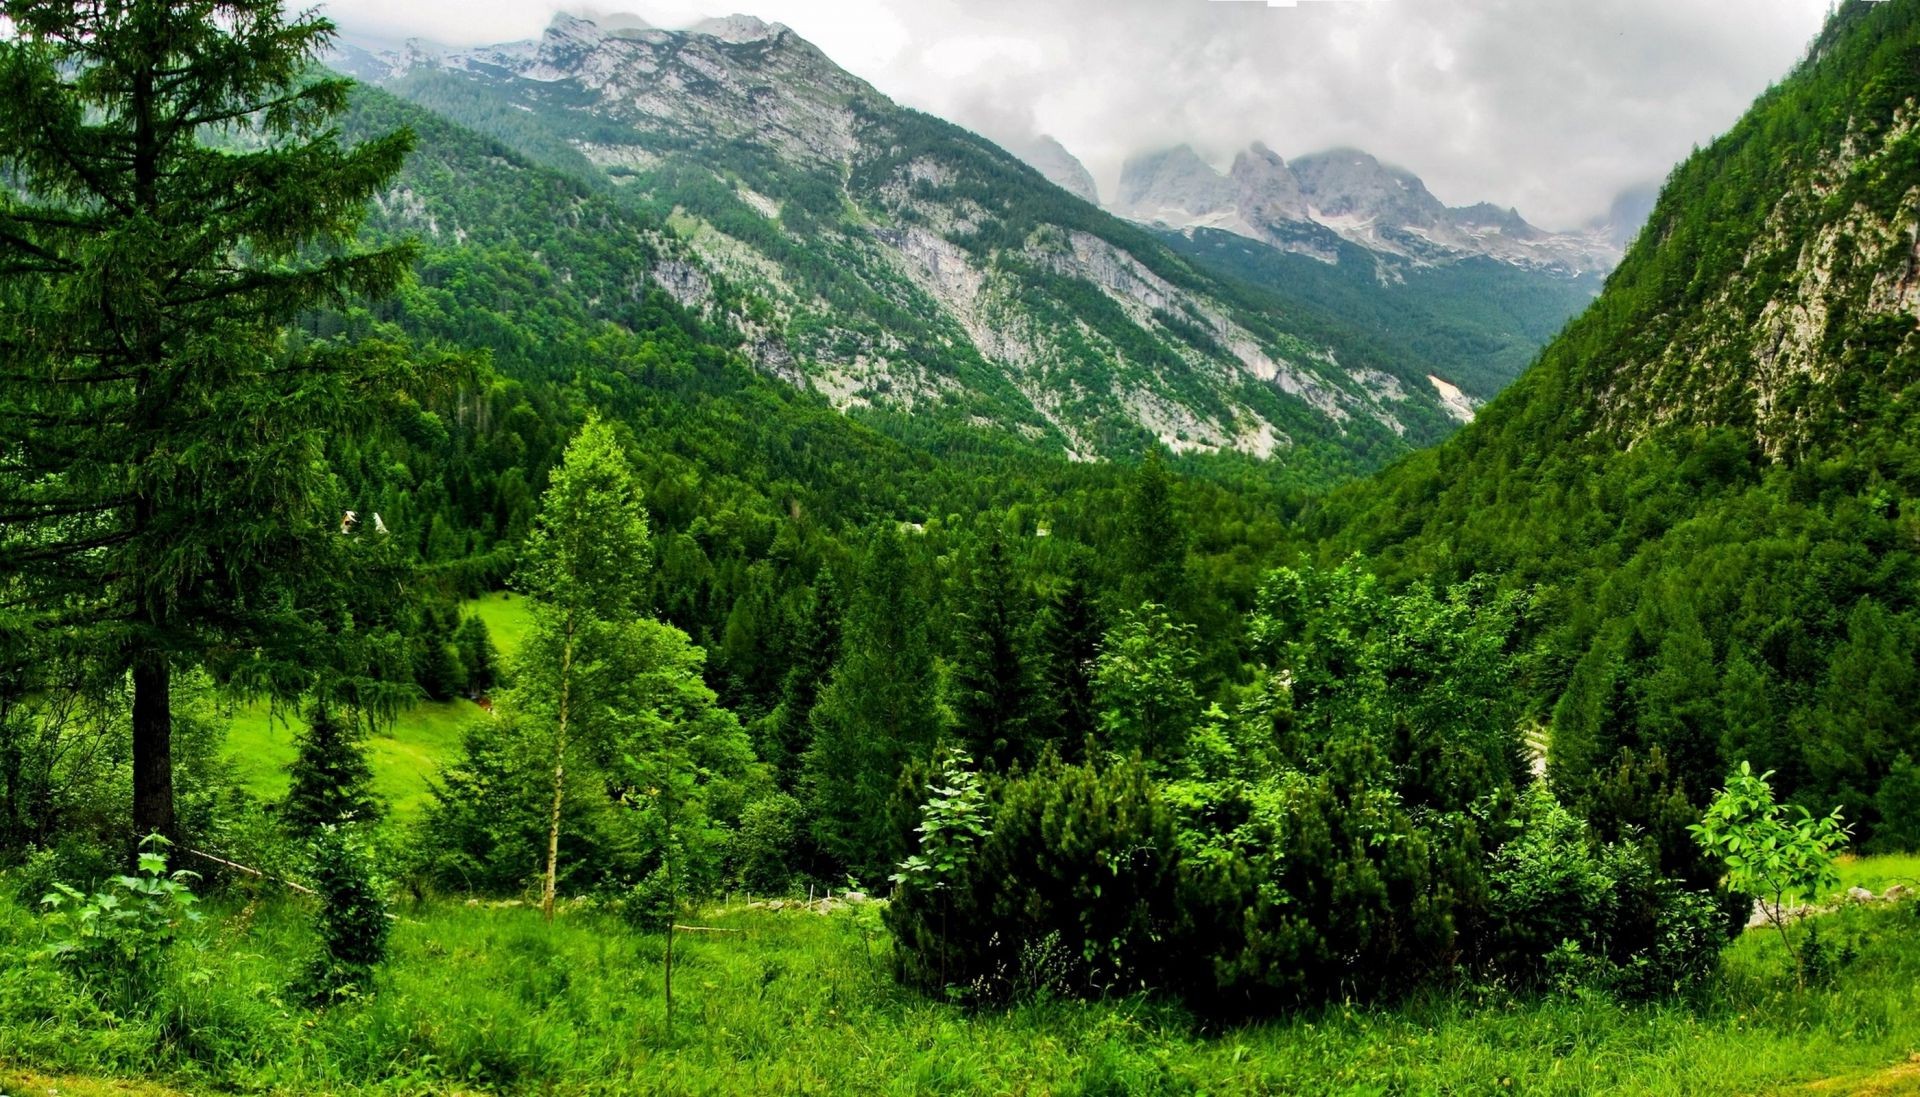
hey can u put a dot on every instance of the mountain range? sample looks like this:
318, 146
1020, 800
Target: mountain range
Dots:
921, 277
1346, 194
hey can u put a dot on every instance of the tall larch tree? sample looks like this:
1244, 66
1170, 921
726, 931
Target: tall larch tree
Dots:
176, 197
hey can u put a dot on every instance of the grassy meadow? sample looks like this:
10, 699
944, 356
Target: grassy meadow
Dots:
405, 755
482, 997
488, 998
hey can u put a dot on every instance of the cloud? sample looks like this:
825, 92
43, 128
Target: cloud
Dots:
1552, 106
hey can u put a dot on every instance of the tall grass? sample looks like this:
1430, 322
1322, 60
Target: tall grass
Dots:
487, 998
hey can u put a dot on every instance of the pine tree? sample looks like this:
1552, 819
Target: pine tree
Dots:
877, 714
1069, 650
176, 198
993, 694
1153, 546
331, 778
474, 645
585, 565
789, 728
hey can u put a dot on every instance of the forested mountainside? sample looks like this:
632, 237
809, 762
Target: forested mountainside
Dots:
554, 291
1711, 480
897, 263
1475, 322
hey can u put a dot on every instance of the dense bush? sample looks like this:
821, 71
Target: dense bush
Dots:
1074, 891
1565, 906
353, 922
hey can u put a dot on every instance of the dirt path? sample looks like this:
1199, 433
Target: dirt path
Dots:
1899, 1080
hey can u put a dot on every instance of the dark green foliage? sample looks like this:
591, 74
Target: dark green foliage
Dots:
166, 492
1564, 906
1068, 652
1075, 891
477, 655
485, 830
352, 923
994, 701
878, 714
1153, 546
330, 777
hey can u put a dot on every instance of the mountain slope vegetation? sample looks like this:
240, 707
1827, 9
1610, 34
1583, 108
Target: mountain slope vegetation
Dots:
899, 264
1711, 478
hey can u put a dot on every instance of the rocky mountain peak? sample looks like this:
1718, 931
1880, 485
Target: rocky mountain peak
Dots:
1344, 192
1051, 159
738, 29
1269, 193
1174, 186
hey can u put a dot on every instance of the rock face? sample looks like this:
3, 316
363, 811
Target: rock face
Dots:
897, 263
1052, 160
1349, 194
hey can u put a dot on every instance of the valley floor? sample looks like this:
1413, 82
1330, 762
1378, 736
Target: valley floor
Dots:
486, 998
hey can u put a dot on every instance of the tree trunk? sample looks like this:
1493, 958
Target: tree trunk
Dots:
673, 903
152, 746
559, 776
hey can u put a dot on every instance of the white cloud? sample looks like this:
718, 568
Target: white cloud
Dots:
1552, 106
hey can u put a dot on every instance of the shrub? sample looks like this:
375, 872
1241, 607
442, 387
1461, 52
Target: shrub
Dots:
118, 940
352, 922
1074, 891
766, 848
1318, 888
1566, 908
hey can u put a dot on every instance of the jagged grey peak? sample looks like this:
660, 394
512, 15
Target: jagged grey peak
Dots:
1058, 166
1352, 195
1269, 194
1173, 186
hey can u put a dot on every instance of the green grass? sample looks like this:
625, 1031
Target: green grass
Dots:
508, 617
1877, 874
488, 998
405, 756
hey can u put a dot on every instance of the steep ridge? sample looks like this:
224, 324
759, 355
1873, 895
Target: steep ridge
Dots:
904, 268
1710, 478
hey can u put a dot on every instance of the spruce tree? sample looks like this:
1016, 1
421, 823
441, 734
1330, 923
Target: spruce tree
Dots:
478, 657
993, 695
816, 647
176, 198
1153, 542
878, 714
331, 777
1069, 650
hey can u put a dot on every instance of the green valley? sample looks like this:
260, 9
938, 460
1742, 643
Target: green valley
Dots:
633, 562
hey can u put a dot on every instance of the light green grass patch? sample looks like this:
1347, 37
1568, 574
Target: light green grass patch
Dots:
261, 744
508, 617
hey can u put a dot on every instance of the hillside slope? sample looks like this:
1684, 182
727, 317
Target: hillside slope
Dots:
1713, 476
904, 267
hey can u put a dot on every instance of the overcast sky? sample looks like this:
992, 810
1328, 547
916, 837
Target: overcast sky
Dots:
1552, 106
